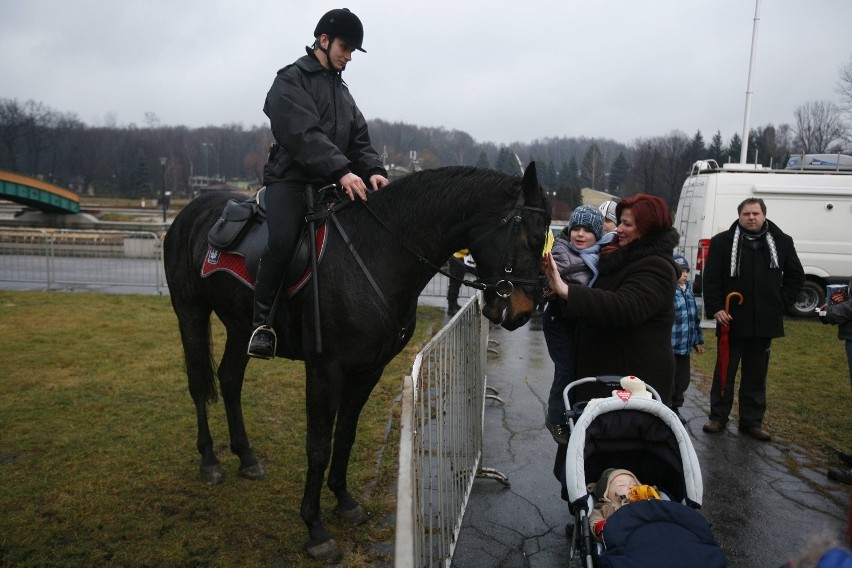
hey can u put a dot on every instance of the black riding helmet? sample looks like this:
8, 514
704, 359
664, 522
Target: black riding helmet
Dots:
342, 23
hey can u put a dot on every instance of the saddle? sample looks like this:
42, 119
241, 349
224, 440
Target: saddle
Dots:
238, 238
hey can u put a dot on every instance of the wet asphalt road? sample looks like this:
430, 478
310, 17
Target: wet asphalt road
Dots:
761, 499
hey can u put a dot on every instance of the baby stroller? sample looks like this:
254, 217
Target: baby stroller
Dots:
647, 438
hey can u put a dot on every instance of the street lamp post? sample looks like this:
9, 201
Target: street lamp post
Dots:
206, 146
165, 200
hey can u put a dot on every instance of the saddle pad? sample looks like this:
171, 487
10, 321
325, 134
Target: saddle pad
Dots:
234, 264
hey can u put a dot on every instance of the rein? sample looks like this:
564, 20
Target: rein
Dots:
332, 190
503, 286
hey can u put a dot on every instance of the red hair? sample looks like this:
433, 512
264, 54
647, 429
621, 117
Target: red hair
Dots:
650, 213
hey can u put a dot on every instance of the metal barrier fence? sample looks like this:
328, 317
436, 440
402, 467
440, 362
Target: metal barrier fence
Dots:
114, 261
70, 259
441, 439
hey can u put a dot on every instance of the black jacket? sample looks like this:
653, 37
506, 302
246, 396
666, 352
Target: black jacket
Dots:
841, 315
320, 134
626, 318
767, 292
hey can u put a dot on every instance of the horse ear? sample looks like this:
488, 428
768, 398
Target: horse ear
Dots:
532, 191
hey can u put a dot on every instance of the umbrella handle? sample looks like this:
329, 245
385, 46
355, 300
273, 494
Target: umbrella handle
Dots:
728, 301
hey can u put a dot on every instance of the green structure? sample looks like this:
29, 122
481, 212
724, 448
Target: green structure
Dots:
38, 194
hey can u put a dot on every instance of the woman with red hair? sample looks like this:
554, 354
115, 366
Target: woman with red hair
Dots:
625, 320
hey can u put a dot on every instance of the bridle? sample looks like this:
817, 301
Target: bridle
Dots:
504, 284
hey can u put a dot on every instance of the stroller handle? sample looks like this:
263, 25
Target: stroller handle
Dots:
574, 410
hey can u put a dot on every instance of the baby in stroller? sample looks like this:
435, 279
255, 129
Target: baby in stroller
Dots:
615, 488
644, 437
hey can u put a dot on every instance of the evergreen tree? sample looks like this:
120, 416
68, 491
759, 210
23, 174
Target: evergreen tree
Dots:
695, 150
482, 161
573, 172
735, 148
141, 183
506, 161
549, 175
617, 174
716, 150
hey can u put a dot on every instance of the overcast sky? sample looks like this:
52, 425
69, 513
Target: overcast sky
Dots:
501, 71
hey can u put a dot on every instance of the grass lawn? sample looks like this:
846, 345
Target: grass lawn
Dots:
97, 445
97, 438
809, 401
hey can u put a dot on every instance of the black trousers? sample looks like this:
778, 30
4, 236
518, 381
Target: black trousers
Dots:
457, 268
753, 353
681, 379
285, 217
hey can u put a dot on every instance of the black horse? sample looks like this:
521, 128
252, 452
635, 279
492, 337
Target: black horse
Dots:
427, 216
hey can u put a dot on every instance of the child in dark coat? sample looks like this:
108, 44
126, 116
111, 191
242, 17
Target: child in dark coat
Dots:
576, 251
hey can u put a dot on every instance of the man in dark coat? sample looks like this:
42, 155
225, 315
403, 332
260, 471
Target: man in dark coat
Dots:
320, 138
758, 260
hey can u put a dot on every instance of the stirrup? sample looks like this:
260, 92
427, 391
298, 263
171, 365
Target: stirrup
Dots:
263, 328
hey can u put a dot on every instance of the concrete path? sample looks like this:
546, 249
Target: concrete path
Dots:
762, 504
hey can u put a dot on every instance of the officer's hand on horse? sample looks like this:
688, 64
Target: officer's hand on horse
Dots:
352, 185
378, 181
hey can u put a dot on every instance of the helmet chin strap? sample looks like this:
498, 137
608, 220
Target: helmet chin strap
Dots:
327, 52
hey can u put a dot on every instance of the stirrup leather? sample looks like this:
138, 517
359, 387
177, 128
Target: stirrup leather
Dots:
264, 328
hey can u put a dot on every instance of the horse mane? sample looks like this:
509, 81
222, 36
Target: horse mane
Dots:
452, 187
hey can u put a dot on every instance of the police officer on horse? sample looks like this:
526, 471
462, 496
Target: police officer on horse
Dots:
321, 137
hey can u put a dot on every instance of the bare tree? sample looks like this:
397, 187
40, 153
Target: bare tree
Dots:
593, 170
645, 171
844, 86
13, 121
819, 127
675, 153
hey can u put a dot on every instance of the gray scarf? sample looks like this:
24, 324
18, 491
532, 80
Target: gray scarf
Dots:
735, 248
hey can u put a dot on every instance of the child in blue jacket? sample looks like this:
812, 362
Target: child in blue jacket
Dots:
686, 333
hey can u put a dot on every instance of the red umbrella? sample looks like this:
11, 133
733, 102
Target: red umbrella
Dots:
724, 346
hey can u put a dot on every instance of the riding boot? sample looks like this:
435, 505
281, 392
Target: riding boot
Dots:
270, 274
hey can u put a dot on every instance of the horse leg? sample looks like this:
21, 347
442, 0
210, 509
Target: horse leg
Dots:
231, 374
194, 324
321, 403
352, 402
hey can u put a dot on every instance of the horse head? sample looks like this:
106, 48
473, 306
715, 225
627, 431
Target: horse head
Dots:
508, 257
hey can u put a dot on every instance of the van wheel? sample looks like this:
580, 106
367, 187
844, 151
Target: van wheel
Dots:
812, 297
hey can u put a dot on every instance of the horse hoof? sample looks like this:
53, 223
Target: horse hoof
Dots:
212, 474
353, 516
325, 552
254, 472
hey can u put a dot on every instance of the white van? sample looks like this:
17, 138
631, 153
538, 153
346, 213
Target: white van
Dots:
810, 201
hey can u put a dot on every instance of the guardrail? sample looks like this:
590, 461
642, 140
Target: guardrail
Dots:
440, 449
72, 258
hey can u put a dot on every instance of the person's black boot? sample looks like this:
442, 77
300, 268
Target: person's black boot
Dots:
841, 475
263, 340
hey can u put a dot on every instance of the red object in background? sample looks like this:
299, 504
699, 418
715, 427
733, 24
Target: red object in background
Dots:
703, 249
724, 342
